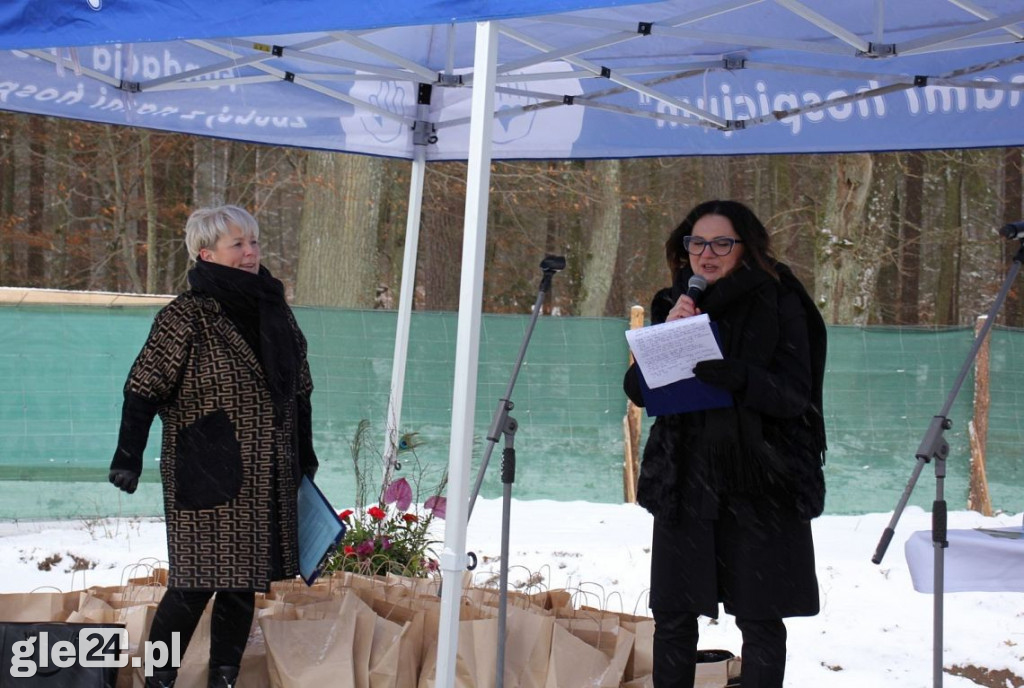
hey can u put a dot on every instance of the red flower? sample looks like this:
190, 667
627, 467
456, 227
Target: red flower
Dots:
349, 550
410, 518
345, 514
377, 513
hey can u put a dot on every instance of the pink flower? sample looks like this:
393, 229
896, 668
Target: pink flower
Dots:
365, 549
437, 505
399, 493
377, 513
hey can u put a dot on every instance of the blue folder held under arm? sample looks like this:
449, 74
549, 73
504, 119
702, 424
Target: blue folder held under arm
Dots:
682, 396
320, 530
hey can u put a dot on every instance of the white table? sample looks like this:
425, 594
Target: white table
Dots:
974, 561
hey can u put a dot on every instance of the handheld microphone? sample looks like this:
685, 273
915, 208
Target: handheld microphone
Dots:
695, 287
1014, 230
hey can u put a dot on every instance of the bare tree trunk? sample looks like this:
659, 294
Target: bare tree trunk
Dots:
210, 171
35, 263
125, 231
440, 250
553, 242
951, 235
338, 232
603, 239
7, 194
152, 226
910, 240
849, 263
883, 228
716, 177
1013, 309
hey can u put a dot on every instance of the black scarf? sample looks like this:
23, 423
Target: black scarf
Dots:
731, 450
256, 306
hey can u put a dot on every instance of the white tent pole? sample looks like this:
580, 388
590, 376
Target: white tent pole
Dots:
405, 298
467, 349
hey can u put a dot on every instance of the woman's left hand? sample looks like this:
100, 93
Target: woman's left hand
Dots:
727, 373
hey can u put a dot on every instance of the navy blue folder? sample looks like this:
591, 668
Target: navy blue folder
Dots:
682, 396
320, 530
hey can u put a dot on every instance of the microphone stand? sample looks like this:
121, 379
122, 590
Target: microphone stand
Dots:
506, 425
934, 446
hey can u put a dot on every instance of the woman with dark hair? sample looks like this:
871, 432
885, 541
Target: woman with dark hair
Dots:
733, 489
225, 368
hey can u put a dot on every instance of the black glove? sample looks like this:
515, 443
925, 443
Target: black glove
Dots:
727, 373
124, 479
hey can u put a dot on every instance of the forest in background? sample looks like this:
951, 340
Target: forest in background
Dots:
906, 238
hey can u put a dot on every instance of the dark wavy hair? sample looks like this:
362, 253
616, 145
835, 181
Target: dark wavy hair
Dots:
756, 242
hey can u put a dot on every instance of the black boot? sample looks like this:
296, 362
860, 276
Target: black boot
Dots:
162, 678
223, 676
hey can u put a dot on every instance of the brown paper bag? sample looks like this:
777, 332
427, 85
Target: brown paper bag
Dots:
527, 647
35, 606
585, 619
716, 668
143, 573
641, 660
588, 657
396, 656
476, 656
491, 597
332, 651
554, 599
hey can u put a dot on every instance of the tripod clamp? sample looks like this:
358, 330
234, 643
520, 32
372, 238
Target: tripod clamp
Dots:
933, 444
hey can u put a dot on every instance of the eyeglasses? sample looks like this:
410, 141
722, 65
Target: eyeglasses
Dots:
720, 246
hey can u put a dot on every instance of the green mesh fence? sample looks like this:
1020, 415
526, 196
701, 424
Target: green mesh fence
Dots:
62, 369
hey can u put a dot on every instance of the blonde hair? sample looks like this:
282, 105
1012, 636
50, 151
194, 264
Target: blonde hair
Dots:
206, 225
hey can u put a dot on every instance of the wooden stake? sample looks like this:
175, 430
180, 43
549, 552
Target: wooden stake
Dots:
631, 425
977, 494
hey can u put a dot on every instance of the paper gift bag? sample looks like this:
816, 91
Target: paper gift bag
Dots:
310, 652
553, 599
396, 653
641, 660
151, 572
585, 620
491, 597
588, 658
476, 656
118, 596
716, 669
33, 606
527, 647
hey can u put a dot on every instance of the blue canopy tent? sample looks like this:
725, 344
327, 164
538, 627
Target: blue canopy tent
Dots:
477, 80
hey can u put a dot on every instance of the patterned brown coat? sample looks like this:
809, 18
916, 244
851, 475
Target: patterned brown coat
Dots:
229, 471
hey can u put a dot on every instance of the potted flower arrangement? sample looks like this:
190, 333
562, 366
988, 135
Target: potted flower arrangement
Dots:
393, 535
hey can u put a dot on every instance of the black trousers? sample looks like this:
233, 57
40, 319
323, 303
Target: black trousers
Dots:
675, 650
180, 610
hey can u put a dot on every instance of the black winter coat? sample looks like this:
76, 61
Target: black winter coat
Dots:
745, 543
